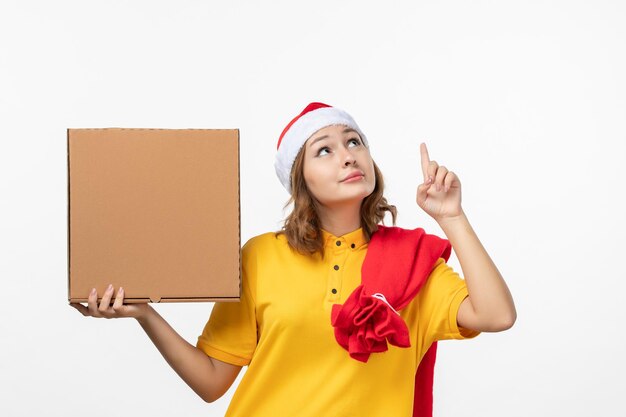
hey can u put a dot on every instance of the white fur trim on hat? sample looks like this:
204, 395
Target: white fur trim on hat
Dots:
301, 130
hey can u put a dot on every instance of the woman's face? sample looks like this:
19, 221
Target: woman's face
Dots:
331, 154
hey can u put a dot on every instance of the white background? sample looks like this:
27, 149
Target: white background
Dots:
523, 100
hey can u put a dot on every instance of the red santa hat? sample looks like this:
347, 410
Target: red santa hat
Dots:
314, 117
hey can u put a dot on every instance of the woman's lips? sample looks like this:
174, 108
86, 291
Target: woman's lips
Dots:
357, 178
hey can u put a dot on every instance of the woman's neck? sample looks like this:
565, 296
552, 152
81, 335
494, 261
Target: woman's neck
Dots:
340, 220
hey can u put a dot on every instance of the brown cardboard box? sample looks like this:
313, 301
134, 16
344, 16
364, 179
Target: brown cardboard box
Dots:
155, 211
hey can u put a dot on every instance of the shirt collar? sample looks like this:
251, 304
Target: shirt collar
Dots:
356, 238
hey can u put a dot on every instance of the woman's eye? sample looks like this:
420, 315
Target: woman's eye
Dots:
358, 142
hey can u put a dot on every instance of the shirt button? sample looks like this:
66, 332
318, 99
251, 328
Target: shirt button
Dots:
338, 243
334, 290
336, 267
352, 246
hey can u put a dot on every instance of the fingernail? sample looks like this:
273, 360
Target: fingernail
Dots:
110, 287
93, 291
120, 290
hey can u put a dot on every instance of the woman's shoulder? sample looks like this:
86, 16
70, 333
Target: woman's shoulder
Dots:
264, 241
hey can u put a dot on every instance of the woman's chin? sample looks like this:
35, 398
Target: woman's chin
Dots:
346, 198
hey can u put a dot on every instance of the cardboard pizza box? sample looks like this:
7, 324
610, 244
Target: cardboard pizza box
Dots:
156, 211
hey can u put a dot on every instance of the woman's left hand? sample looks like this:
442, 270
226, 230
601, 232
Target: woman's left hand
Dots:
440, 194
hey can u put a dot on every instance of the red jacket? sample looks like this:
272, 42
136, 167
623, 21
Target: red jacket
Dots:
397, 263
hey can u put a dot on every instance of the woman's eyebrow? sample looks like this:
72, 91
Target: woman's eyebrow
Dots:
346, 130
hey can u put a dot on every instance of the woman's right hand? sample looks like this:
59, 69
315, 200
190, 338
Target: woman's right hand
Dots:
108, 311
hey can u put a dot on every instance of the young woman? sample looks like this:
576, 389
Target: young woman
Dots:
311, 325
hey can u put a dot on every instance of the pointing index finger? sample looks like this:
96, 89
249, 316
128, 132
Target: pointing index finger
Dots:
425, 159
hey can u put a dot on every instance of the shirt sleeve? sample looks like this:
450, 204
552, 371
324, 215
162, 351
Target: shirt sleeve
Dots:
439, 301
230, 335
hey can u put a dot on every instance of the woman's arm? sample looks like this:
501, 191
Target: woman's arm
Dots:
207, 376
489, 306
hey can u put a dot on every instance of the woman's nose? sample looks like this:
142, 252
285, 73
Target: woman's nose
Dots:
348, 157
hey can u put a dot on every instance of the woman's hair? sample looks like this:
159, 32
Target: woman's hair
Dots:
302, 226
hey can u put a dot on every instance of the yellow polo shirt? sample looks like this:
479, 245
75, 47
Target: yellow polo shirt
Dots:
281, 330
